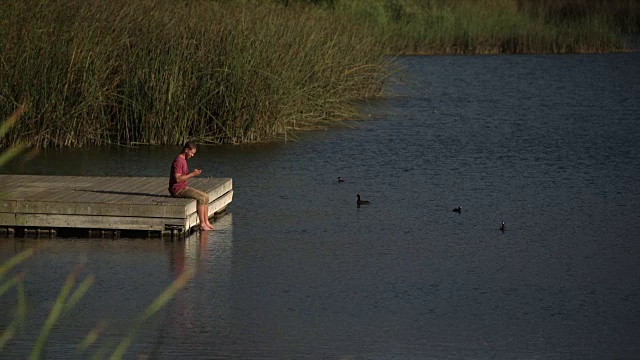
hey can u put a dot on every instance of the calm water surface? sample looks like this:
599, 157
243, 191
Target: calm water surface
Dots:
547, 144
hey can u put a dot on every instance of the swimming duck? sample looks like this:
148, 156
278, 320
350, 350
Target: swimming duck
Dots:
458, 209
362, 202
502, 228
340, 179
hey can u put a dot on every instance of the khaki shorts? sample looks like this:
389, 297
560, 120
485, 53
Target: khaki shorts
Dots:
188, 192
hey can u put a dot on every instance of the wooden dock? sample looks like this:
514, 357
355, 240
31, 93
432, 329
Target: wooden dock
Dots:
47, 203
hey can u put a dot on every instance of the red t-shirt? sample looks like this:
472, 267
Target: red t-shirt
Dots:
179, 165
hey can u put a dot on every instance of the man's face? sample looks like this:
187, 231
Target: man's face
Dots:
190, 153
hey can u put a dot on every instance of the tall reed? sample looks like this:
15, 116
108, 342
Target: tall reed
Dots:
160, 72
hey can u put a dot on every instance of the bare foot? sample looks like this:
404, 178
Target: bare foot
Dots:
210, 226
205, 228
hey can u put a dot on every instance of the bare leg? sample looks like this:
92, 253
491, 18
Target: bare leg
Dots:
206, 216
203, 216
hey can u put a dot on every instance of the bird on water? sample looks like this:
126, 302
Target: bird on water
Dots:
458, 209
362, 202
502, 227
340, 179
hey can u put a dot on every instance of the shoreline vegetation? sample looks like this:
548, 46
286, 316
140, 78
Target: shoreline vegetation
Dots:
90, 73
497, 26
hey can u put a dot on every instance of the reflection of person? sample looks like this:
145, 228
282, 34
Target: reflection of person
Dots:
177, 258
202, 248
178, 184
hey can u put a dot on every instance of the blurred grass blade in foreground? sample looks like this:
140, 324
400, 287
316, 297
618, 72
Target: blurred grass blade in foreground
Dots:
61, 305
11, 120
152, 309
4, 128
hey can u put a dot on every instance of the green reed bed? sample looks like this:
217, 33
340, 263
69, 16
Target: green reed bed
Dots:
496, 26
160, 72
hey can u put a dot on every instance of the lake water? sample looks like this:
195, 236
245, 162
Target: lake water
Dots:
547, 144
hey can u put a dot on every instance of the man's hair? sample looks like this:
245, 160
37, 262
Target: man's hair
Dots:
188, 145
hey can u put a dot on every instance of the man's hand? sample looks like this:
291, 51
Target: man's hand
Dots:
196, 172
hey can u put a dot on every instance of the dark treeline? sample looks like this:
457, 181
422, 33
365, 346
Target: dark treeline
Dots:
492, 26
625, 13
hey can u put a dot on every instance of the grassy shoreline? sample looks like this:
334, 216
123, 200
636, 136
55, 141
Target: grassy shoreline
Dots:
229, 72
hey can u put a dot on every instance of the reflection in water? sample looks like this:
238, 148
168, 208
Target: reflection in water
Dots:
185, 256
201, 248
206, 296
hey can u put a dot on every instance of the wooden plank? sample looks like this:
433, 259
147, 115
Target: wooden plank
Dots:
214, 206
155, 188
11, 182
110, 222
102, 182
220, 203
94, 192
124, 191
7, 219
7, 206
117, 203
48, 195
49, 182
136, 203
96, 222
100, 197
85, 196
150, 209
214, 187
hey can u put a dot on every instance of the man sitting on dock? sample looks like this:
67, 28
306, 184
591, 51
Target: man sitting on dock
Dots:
178, 184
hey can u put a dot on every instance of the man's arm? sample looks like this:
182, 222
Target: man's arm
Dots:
182, 178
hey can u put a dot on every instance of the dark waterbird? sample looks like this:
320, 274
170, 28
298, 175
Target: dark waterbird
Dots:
340, 179
502, 227
362, 202
458, 209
